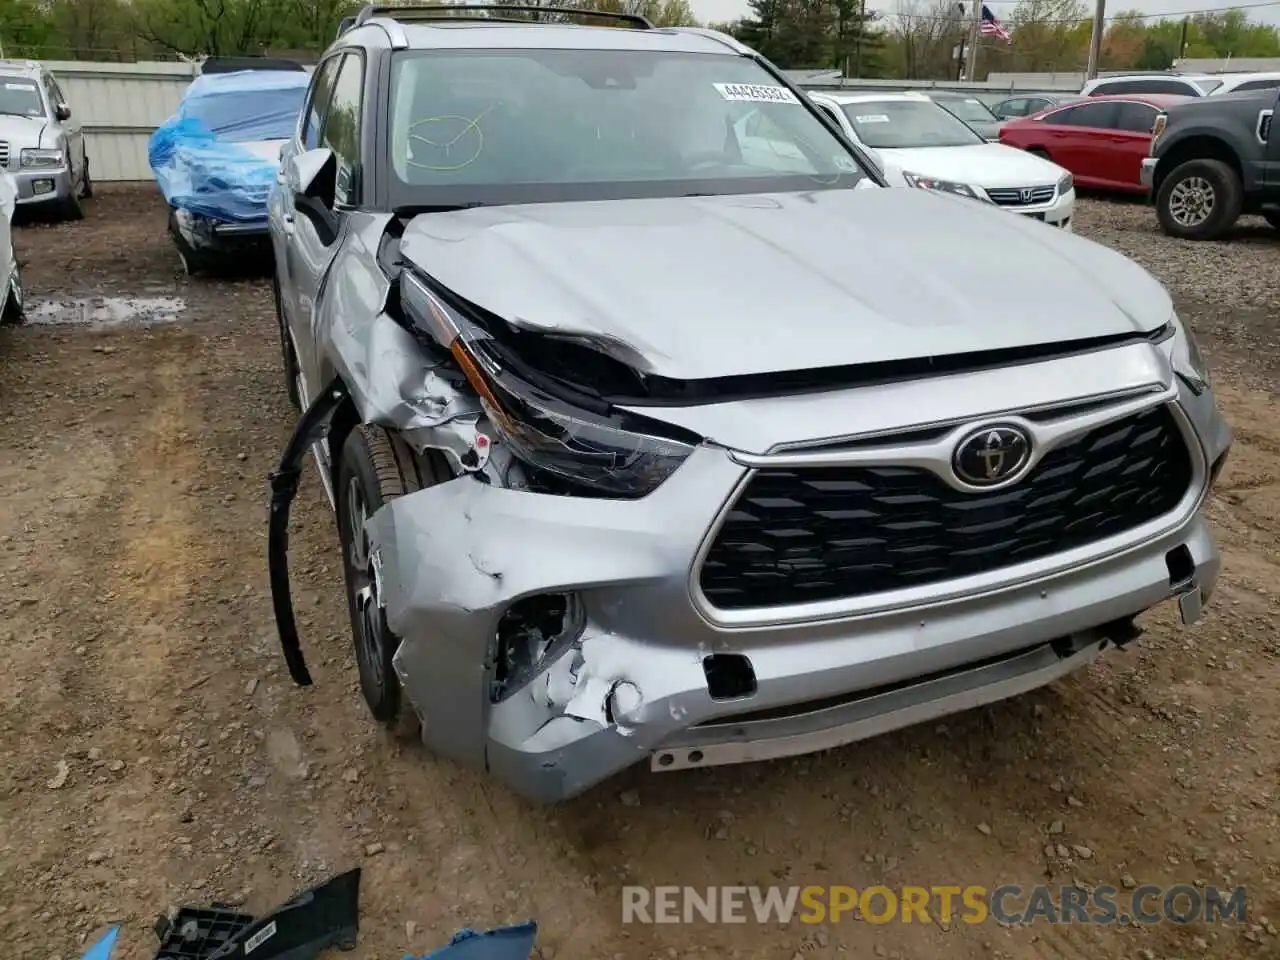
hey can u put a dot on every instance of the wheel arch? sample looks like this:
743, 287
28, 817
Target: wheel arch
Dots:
1199, 146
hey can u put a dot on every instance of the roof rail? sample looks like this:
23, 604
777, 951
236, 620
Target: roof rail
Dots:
458, 11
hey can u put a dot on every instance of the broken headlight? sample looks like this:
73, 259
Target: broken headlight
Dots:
604, 450
1188, 361
596, 451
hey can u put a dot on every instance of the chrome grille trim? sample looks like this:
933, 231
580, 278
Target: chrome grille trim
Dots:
1022, 196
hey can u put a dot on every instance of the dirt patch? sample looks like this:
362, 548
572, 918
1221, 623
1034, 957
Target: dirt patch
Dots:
157, 753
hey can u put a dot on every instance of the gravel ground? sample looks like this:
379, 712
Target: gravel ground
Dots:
157, 753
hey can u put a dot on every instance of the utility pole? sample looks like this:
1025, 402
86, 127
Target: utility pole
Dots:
975, 31
1182, 44
1095, 41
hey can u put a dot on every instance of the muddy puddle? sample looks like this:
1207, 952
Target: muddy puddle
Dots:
102, 313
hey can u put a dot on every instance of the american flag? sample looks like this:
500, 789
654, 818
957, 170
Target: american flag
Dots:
991, 27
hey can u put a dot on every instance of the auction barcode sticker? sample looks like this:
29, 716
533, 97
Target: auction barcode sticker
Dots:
755, 93
259, 938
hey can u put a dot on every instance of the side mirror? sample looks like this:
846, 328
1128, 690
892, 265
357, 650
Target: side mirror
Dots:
62, 112
313, 177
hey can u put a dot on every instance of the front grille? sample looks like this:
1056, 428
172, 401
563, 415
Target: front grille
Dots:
809, 534
1013, 196
4, 153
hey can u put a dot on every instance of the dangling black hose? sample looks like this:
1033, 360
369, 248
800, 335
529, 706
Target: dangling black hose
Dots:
312, 427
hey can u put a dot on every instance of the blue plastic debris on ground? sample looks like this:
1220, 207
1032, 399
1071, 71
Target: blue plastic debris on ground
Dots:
210, 157
102, 949
501, 943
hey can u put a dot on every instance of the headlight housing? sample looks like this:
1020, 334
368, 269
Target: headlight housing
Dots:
605, 451
40, 158
1067, 182
1188, 361
1157, 128
944, 186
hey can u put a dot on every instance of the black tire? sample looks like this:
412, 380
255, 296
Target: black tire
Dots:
1039, 152
192, 262
287, 355
86, 182
71, 209
11, 311
1272, 217
373, 469
1207, 188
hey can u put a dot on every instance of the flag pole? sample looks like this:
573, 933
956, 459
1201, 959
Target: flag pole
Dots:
971, 61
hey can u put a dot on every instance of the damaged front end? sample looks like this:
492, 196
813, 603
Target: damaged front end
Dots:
501, 583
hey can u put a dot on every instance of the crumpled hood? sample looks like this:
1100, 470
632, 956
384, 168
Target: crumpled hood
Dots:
22, 131
702, 287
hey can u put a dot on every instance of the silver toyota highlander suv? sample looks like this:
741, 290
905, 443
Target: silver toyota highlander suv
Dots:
651, 441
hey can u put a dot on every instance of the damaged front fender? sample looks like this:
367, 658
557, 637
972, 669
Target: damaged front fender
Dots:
455, 559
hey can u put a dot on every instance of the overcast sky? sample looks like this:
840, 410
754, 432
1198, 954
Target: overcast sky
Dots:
722, 10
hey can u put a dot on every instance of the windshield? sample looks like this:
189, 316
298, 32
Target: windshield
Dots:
21, 97
266, 111
969, 109
893, 124
517, 126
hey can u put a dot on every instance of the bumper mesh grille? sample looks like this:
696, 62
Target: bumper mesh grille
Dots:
4, 153
809, 534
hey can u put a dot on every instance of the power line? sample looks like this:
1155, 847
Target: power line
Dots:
1127, 15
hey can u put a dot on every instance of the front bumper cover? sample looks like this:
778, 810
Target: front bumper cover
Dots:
1147, 175
38, 186
633, 685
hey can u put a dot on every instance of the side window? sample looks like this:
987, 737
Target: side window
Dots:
1166, 86
1012, 108
1036, 104
318, 102
1107, 89
341, 129
1259, 85
1101, 115
50, 92
1135, 117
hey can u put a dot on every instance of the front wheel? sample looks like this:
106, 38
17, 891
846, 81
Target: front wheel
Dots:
374, 468
1199, 200
1041, 153
86, 181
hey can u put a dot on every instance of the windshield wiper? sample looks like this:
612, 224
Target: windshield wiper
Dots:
11, 113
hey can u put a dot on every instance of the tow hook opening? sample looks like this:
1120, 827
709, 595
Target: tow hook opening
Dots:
730, 676
531, 632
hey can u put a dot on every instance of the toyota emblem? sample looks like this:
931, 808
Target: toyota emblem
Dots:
991, 455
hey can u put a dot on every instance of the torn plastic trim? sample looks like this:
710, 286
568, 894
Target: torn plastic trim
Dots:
313, 426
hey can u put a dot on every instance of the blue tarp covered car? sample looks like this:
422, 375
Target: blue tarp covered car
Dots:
216, 158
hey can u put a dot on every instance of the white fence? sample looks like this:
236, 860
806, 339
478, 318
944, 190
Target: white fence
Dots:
118, 106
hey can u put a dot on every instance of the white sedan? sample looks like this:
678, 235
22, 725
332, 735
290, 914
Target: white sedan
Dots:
930, 148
